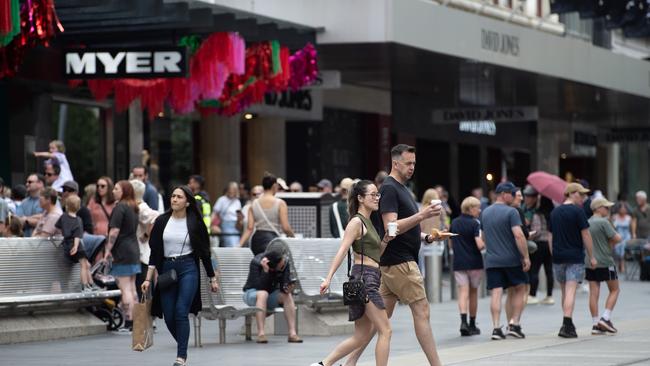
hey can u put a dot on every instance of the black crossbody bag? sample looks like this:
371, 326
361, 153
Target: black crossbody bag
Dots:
354, 291
170, 277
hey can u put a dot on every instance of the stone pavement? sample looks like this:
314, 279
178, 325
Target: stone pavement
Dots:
631, 346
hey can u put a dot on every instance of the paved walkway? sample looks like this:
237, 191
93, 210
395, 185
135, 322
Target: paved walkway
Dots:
631, 346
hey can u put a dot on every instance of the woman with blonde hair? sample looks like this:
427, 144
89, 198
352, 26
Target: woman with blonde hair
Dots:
146, 218
468, 262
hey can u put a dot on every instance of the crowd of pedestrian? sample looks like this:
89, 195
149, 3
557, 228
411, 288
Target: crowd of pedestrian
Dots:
507, 239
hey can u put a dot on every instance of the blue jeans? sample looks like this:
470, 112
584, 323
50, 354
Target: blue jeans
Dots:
176, 301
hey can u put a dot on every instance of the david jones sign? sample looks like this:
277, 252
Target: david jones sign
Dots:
117, 63
499, 42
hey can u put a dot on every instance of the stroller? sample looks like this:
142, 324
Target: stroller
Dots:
108, 311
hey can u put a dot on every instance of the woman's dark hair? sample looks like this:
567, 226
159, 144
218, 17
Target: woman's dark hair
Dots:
358, 189
197, 230
268, 181
109, 191
545, 208
128, 196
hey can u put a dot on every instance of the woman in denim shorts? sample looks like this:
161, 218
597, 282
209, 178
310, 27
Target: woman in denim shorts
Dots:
361, 235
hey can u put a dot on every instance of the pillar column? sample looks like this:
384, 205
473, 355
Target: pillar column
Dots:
549, 136
453, 171
220, 157
136, 136
267, 148
613, 171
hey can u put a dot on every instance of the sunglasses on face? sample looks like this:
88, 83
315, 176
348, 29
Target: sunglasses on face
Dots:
49, 174
69, 190
101, 186
30, 182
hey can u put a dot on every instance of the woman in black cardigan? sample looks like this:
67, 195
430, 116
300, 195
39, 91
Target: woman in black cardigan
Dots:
179, 239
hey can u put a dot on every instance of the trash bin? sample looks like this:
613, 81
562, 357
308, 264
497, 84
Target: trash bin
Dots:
433, 272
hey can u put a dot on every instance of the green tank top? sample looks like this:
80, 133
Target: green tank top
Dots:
371, 241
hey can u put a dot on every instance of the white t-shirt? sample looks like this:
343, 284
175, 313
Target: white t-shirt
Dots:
174, 235
227, 208
66, 172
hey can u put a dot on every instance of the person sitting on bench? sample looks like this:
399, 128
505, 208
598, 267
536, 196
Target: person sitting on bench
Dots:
269, 285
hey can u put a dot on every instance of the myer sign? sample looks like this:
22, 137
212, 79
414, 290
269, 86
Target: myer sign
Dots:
133, 62
496, 114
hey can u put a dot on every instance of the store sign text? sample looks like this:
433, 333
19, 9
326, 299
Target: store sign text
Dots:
478, 127
498, 42
115, 63
498, 114
300, 99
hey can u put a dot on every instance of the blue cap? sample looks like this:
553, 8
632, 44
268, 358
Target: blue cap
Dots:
506, 187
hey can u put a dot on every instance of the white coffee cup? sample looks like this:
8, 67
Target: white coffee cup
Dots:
436, 202
392, 228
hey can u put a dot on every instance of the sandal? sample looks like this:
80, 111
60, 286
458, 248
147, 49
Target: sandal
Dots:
294, 339
262, 339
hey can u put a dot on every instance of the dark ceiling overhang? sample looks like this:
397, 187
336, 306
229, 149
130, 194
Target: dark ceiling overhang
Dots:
158, 22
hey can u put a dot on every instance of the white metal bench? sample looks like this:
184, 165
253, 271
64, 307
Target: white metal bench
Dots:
310, 260
35, 276
227, 303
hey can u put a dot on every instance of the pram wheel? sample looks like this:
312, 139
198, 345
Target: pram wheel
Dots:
117, 319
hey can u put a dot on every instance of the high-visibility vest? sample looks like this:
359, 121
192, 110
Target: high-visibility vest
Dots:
205, 209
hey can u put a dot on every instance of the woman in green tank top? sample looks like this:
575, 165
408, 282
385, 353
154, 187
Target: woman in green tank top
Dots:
364, 199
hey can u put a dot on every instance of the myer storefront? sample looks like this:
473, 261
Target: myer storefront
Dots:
92, 89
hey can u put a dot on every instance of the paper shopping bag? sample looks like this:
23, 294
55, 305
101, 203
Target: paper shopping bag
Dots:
142, 325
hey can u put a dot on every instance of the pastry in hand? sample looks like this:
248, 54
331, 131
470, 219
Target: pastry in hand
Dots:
441, 235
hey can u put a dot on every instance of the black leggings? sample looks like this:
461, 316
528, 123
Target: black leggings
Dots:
541, 256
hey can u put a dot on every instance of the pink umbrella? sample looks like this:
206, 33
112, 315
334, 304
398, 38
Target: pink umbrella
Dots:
548, 185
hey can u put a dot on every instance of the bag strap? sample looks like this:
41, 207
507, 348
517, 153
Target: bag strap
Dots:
108, 217
337, 216
184, 240
256, 202
363, 225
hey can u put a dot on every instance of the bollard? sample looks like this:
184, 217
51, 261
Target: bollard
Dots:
433, 273
452, 278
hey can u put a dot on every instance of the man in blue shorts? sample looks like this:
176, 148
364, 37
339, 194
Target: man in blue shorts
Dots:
506, 258
570, 236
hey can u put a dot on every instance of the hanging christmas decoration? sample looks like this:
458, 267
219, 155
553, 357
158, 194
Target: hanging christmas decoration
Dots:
38, 25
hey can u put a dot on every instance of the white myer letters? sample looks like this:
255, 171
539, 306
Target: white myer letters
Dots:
166, 61
138, 62
115, 63
110, 64
79, 65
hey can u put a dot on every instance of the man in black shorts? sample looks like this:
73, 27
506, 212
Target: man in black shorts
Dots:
400, 276
506, 259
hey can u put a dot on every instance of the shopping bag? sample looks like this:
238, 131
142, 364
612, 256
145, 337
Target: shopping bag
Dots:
142, 325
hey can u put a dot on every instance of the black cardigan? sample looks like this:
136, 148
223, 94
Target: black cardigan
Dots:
201, 249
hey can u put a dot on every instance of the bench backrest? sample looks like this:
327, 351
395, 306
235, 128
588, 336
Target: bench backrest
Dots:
232, 264
311, 259
30, 266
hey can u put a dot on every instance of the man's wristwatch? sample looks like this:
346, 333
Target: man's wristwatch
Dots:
427, 237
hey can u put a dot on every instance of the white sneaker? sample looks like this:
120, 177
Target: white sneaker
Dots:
548, 300
532, 300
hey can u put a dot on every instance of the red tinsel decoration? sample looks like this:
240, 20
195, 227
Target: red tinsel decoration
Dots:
38, 25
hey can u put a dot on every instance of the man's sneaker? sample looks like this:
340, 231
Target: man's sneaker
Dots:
597, 330
568, 331
473, 330
86, 289
464, 329
317, 364
548, 300
607, 325
532, 300
497, 334
515, 331
124, 330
